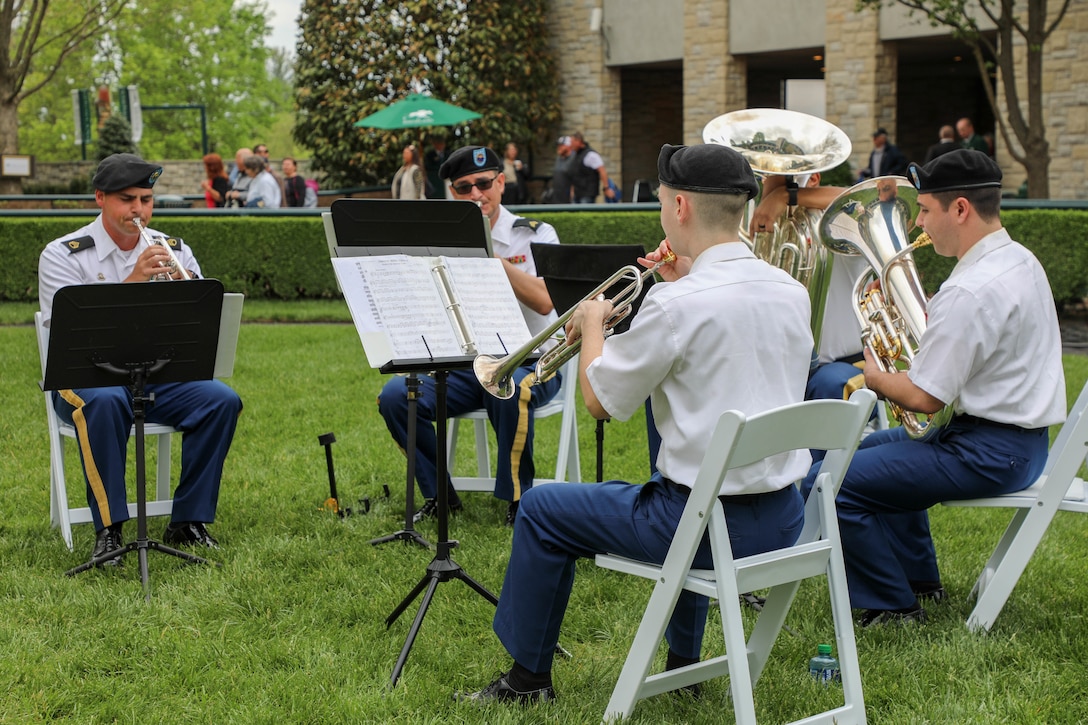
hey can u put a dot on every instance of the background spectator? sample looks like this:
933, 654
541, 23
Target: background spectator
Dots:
294, 185
216, 185
517, 177
965, 127
409, 181
946, 142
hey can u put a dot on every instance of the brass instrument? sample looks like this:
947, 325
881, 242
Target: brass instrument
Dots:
787, 143
875, 219
495, 374
174, 265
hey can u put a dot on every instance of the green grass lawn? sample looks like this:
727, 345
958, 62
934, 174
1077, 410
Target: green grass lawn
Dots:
291, 628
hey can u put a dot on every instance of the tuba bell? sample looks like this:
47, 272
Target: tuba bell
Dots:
875, 219
777, 142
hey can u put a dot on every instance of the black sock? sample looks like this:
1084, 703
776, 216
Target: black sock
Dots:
524, 680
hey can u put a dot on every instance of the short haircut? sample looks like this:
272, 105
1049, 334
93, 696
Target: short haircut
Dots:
986, 202
253, 162
715, 210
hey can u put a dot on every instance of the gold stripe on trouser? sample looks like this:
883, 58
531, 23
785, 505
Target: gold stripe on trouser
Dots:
524, 394
89, 467
855, 383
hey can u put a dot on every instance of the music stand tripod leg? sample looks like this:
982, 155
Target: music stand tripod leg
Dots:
408, 533
138, 378
442, 567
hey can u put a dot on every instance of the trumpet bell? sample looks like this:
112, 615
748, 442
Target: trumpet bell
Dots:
780, 142
495, 375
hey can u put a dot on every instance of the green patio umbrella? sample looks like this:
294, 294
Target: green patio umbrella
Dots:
417, 111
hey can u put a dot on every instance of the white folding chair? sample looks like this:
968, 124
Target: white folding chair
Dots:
1057, 489
568, 463
831, 425
62, 514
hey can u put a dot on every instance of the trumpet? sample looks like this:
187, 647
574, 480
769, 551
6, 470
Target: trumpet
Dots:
496, 374
174, 265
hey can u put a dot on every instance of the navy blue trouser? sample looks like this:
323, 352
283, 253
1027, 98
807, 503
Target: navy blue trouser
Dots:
891, 482
512, 420
206, 413
562, 522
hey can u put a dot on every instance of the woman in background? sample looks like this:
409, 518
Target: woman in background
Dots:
409, 182
216, 185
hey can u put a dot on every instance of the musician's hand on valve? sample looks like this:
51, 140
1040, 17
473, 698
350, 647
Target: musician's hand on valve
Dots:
588, 315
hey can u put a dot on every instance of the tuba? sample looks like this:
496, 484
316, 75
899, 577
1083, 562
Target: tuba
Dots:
875, 219
777, 142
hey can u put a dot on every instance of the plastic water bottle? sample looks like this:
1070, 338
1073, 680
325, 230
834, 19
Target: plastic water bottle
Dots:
823, 667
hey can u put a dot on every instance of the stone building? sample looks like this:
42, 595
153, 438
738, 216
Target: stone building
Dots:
638, 73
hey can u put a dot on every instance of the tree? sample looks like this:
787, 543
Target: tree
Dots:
960, 16
201, 52
115, 138
357, 56
33, 50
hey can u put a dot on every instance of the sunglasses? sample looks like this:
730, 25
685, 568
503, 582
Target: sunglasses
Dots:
483, 185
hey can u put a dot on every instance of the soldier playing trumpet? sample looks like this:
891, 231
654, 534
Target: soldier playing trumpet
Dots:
704, 342
206, 412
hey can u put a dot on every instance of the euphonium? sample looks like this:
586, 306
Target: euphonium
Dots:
777, 142
875, 219
174, 265
496, 374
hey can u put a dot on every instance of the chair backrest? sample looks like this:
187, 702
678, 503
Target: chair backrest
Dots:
43, 339
834, 426
1073, 431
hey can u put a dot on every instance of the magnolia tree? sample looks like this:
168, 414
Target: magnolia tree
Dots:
358, 56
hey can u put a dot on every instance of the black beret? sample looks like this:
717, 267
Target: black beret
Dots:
123, 171
469, 160
959, 169
709, 168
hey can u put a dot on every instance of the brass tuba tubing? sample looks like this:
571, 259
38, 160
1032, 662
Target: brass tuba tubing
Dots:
495, 374
892, 317
174, 265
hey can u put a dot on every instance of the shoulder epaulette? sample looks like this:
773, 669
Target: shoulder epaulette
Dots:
79, 244
523, 222
173, 242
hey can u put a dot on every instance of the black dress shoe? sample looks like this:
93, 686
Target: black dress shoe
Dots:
501, 691
429, 509
511, 513
929, 590
106, 541
189, 533
911, 615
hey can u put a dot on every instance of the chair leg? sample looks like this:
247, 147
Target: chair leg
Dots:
772, 618
841, 612
641, 655
58, 491
162, 483
1007, 564
483, 454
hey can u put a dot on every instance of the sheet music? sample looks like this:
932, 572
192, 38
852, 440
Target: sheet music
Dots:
396, 308
488, 304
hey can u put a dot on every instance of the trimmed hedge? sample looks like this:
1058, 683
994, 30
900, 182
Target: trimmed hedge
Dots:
287, 257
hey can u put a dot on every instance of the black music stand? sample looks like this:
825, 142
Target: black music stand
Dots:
572, 271
365, 227
103, 335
